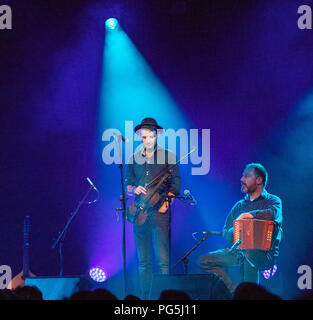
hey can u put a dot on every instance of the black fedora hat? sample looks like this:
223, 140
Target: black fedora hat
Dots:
148, 123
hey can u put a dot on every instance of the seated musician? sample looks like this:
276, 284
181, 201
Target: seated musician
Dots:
257, 204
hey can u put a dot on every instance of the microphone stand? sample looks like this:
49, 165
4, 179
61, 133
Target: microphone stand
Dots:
169, 198
242, 257
60, 240
123, 210
184, 258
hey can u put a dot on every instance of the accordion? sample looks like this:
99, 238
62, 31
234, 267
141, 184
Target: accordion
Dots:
254, 234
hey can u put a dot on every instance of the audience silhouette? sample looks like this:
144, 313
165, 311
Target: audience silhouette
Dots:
253, 291
28, 293
131, 297
244, 291
174, 295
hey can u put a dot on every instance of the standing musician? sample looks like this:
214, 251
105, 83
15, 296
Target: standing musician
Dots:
145, 173
257, 204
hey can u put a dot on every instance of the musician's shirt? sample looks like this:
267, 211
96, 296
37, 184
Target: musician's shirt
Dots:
142, 169
266, 207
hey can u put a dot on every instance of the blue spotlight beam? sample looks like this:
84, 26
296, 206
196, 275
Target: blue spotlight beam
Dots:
130, 88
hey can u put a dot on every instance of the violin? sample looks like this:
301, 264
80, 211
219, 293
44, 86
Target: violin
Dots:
140, 209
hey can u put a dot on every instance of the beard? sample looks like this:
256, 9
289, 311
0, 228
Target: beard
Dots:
243, 188
248, 190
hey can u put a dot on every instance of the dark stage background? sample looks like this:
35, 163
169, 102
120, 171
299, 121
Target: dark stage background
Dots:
240, 68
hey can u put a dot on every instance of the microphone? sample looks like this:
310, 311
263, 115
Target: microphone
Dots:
190, 196
90, 182
120, 137
234, 246
144, 151
207, 233
211, 233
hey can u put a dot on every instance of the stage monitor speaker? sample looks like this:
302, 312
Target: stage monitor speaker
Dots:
57, 288
197, 286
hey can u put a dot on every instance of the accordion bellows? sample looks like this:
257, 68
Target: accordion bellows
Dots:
254, 234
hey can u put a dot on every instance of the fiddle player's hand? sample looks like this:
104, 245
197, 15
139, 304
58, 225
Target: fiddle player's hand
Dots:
245, 216
139, 190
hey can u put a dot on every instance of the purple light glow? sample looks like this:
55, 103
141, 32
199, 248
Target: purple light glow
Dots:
97, 274
269, 273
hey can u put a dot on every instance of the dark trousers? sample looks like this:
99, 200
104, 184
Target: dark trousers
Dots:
217, 261
153, 233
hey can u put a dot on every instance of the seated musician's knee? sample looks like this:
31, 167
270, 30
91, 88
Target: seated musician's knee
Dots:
206, 261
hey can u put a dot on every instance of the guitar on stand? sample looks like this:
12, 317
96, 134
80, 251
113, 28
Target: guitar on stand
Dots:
19, 280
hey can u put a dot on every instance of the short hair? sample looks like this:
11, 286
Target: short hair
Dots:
259, 170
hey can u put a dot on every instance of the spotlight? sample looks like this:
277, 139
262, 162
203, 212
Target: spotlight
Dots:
111, 24
97, 274
270, 272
